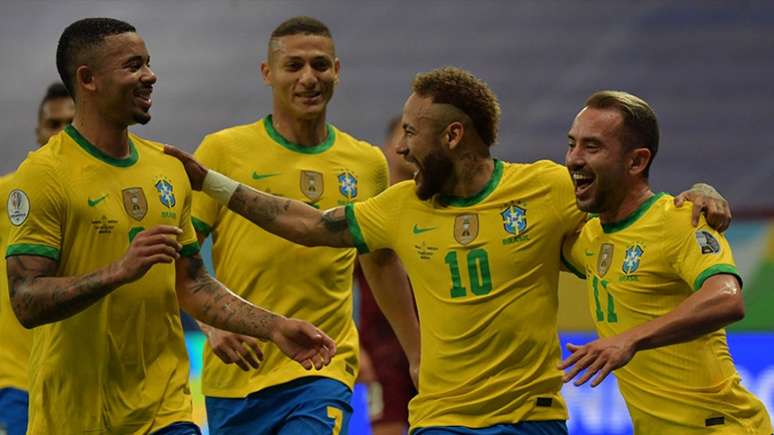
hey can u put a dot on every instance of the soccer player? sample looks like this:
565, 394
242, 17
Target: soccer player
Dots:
102, 253
294, 153
54, 112
481, 241
660, 290
387, 371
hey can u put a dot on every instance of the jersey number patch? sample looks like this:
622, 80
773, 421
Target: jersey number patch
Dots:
478, 271
612, 316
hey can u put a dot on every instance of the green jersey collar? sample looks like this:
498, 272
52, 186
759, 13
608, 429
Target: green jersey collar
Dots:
497, 174
317, 149
99, 154
632, 218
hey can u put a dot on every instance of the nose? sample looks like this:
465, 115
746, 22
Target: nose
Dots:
308, 77
149, 77
573, 159
401, 147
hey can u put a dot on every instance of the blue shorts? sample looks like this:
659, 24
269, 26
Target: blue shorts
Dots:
179, 428
305, 406
13, 411
547, 427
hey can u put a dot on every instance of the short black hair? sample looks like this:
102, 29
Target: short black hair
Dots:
79, 37
301, 25
55, 91
640, 126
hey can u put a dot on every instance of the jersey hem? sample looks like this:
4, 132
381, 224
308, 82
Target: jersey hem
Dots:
570, 267
354, 229
201, 227
244, 391
190, 249
32, 249
716, 270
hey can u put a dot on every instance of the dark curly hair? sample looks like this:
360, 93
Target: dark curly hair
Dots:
466, 92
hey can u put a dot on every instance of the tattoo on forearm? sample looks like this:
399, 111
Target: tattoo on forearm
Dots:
38, 297
333, 223
219, 307
259, 207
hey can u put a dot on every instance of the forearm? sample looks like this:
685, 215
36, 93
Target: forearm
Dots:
38, 299
703, 312
392, 291
208, 301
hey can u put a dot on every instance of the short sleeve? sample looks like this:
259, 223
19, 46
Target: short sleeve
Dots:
204, 211
188, 239
563, 198
697, 253
371, 222
381, 171
573, 257
36, 209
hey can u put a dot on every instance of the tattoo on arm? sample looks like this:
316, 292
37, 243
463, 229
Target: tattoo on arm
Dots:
259, 207
38, 297
333, 223
210, 302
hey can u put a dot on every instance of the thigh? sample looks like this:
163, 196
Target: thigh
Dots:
319, 406
237, 416
179, 428
13, 411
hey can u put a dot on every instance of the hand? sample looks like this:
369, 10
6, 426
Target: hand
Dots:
195, 170
600, 356
304, 343
156, 245
707, 200
234, 348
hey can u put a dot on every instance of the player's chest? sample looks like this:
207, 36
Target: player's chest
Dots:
320, 182
108, 204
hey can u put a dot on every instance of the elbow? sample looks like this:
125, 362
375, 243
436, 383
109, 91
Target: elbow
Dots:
736, 311
26, 319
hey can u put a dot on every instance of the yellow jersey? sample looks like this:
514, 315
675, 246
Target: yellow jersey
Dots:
640, 269
119, 366
485, 273
314, 284
17, 340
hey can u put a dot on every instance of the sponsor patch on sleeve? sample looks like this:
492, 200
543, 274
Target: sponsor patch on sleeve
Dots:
707, 242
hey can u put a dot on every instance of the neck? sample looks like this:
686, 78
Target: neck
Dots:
109, 137
398, 175
303, 132
633, 199
471, 175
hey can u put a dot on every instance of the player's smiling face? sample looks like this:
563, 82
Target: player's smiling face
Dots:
122, 79
422, 146
303, 72
596, 160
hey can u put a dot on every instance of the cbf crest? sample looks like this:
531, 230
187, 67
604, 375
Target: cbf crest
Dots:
347, 185
514, 219
166, 192
135, 203
632, 259
465, 228
312, 185
604, 259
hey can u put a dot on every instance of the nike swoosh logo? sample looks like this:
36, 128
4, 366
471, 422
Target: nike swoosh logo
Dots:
257, 176
418, 230
93, 202
589, 253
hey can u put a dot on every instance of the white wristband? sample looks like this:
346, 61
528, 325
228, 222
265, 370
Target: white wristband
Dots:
219, 186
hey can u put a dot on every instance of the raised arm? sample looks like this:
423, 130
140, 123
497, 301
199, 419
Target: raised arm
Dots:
287, 218
390, 286
210, 302
716, 304
39, 297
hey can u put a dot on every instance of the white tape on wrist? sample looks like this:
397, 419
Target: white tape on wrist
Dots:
219, 186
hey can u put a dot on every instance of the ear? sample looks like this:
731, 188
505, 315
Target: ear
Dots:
638, 160
336, 69
453, 133
266, 73
84, 78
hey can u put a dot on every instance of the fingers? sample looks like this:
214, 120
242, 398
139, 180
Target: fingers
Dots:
578, 367
595, 365
680, 200
572, 358
698, 207
602, 374
176, 153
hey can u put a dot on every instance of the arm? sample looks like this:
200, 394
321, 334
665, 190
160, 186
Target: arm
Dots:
209, 301
289, 219
716, 304
392, 291
39, 297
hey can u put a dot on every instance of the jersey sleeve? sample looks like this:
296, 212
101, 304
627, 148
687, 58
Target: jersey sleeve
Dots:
188, 239
571, 219
205, 210
573, 257
381, 171
696, 253
372, 221
36, 211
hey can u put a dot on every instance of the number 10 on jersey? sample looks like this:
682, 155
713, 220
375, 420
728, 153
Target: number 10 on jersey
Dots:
480, 279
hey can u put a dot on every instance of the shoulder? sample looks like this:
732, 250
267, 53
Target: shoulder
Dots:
676, 219
357, 145
228, 136
45, 160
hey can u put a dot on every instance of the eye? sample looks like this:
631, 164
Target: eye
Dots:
321, 64
293, 66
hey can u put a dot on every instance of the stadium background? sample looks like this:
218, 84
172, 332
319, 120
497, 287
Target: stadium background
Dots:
705, 66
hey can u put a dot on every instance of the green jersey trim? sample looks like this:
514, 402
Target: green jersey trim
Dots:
201, 227
189, 249
317, 149
716, 270
354, 229
632, 218
99, 154
570, 267
494, 180
32, 249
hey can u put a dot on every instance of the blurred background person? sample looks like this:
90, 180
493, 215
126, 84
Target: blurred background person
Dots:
55, 111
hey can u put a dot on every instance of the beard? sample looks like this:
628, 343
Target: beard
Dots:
141, 118
436, 170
